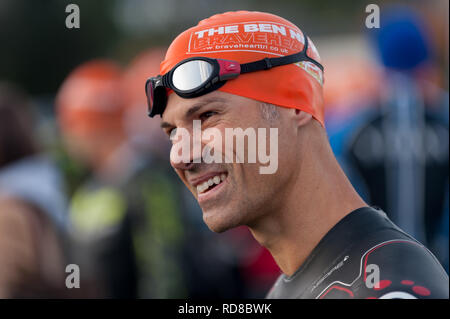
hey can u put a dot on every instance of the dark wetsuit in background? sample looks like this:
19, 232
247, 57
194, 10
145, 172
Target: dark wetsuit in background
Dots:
347, 260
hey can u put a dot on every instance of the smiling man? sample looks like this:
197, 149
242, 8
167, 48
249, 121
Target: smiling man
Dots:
256, 70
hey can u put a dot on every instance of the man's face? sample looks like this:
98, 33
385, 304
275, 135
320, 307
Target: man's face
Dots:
239, 194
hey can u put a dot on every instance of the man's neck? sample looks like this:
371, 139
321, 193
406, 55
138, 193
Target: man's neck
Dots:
320, 198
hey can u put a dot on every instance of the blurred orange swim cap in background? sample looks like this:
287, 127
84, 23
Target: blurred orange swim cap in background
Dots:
90, 99
139, 128
244, 37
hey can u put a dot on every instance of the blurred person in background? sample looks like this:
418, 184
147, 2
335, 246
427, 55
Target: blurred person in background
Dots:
126, 214
153, 196
89, 109
393, 143
33, 210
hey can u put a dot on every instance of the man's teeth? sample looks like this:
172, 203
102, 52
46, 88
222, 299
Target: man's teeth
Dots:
210, 182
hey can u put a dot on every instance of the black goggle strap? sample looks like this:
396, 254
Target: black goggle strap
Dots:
165, 80
268, 63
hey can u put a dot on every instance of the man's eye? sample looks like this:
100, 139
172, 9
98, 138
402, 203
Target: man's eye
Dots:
207, 114
172, 133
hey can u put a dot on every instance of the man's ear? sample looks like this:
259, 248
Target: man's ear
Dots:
301, 118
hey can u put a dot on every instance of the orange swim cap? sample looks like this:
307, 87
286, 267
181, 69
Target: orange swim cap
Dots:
244, 37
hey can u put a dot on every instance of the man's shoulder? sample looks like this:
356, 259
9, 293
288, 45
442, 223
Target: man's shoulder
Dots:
388, 268
403, 268
366, 256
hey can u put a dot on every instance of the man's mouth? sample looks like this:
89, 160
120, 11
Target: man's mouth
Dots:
211, 183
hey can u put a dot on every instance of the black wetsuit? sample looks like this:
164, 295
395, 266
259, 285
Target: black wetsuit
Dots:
366, 256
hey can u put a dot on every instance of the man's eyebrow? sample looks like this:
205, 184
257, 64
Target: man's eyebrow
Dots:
165, 125
194, 108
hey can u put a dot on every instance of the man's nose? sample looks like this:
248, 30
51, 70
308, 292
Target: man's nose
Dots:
182, 165
186, 156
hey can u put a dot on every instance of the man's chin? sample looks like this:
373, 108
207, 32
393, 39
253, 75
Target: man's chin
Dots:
218, 222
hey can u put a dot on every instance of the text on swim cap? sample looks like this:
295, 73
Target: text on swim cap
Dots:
259, 37
276, 39
261, 27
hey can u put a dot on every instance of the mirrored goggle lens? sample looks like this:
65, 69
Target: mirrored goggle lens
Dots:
192, 74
